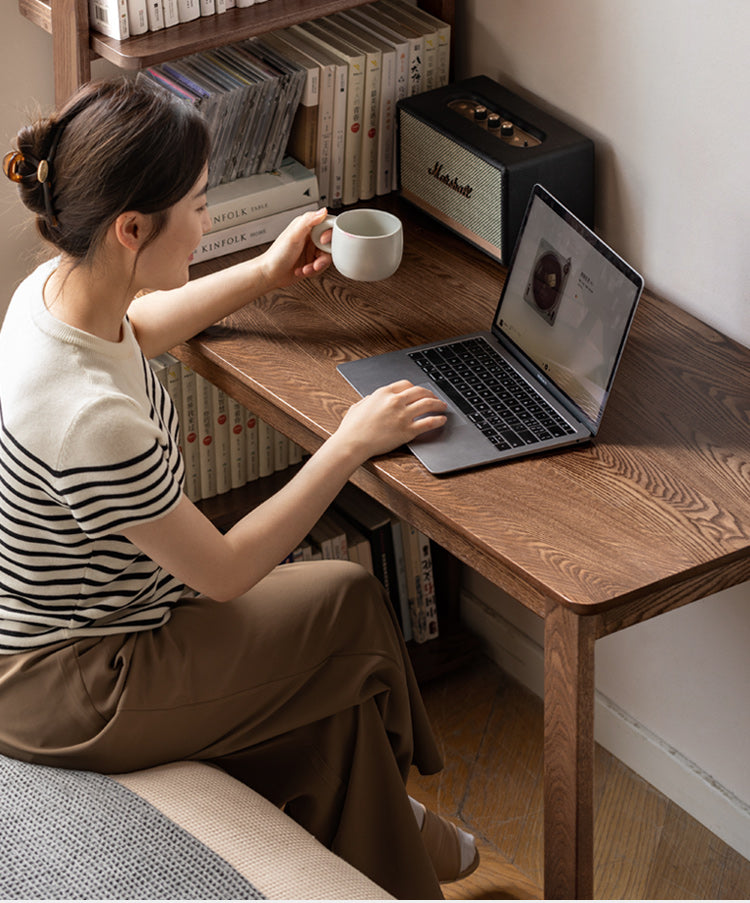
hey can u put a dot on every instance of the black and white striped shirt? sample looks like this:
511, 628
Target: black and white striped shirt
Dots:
88, 447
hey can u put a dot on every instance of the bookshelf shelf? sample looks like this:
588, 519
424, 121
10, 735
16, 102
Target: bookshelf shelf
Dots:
74, 44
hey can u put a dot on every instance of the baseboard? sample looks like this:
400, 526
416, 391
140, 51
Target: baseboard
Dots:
663, 766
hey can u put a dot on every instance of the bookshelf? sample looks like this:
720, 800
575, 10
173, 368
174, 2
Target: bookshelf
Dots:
74, 45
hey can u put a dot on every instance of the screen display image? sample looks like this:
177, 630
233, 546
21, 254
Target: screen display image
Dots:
567, 305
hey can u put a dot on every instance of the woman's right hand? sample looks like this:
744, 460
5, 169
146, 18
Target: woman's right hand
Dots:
391, 416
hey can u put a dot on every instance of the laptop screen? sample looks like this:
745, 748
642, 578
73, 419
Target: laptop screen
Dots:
567, 304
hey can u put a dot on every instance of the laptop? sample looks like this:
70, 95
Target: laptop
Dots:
540, 377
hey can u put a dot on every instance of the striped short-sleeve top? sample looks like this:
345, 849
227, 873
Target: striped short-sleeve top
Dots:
88, 447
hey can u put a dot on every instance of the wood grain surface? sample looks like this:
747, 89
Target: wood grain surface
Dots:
655, 511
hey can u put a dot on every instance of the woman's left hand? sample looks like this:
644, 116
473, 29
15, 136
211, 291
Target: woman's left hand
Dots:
293, 255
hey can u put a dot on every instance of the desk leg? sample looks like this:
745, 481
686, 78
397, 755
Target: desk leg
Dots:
568, 755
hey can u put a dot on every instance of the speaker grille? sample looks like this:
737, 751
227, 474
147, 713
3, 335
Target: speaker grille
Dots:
451, 180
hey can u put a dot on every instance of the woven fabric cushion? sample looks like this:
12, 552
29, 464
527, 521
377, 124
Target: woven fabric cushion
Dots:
263, 844
79, 835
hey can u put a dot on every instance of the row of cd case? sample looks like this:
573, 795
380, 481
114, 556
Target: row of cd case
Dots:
248, 95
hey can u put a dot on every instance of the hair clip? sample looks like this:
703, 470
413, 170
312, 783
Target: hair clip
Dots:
15, 160
12, 163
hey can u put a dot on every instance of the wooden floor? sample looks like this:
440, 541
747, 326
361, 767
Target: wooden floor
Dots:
490, 731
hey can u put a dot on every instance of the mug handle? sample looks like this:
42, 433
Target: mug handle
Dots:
318, 229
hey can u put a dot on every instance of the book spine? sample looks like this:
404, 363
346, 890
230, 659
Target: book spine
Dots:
265, 449
171, 13
338, 144
324, 148
280, 451
238, 444
110, 17
137, 17
220, 410
428, 589
206, 447
259, 196
208, 7
244, 4
252, 471
190, 441
188, 10
155, 15
398, 527
247, 235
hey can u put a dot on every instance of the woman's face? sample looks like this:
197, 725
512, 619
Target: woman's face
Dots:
164, 263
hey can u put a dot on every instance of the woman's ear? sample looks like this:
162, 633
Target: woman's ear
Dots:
131, 229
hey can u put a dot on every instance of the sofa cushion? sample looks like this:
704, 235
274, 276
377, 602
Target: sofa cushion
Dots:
185, 830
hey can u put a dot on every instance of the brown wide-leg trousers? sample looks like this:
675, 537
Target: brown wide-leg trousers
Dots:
301, 688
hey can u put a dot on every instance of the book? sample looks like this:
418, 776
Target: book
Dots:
262, 194
442, 31
137, 17
397, 528
280, 451
334, 74
265, 449
110, 17
420, 584
386, 112
404, 15
355, 62
401, 48
329, 536
189, 432
188, 10
402, 31
206, 447
303, 136
251, 446
222, 449
171, 13
155, 12
370, 132
207, 7
246, 235
237, 444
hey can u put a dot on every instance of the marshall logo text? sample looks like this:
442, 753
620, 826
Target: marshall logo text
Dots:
437, 172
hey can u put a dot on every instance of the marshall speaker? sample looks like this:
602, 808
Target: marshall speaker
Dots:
470, 153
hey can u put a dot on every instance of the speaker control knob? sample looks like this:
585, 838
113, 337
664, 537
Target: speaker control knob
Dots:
480, 113
506, 128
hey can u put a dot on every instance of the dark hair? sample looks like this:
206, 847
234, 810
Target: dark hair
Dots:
114, 146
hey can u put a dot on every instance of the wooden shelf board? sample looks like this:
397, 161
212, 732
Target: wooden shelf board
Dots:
191, 37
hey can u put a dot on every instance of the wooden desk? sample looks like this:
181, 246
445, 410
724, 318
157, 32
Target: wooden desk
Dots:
653, 515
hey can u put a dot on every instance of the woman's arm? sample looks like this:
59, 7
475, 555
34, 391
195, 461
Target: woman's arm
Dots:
189, 547
162, 320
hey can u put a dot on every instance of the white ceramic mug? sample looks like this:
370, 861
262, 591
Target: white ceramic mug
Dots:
365, 245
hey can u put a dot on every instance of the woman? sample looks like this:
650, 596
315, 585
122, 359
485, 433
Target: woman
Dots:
293, 678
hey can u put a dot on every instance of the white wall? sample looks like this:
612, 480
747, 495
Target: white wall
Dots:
26, 82
26, 88
662, 87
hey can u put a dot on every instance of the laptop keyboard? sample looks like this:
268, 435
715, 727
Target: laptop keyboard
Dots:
482, 384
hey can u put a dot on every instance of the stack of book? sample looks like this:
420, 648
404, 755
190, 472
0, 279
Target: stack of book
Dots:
121, 19
248, 95
360, 63
254, 210
225, 446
